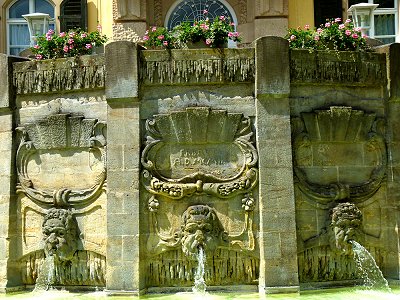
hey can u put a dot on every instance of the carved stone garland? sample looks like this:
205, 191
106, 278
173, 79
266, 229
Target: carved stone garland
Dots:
181, 134
60, 132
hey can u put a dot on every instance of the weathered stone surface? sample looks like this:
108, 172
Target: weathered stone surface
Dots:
346, 67
122, 64
66, 74
197, 66
272, 66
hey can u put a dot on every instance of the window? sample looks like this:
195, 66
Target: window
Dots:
385, 25
73, 14
324, 10
192, 10
17, 28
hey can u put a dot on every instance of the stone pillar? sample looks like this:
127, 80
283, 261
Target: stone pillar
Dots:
271, 17
123, 165
9, 273
391, 209
278, 246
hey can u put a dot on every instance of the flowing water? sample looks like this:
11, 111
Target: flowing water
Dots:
46, 276
199, 282
370, 272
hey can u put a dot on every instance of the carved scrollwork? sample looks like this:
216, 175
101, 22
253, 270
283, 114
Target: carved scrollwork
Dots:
201, 151
59, 134
324, 139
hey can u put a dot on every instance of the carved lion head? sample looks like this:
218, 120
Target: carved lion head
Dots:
59, 234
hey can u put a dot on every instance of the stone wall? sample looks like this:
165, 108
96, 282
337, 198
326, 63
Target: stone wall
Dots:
119, 168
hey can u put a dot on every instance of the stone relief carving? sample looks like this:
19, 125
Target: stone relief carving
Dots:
62, 260
271, 7
325, 138
190, 156
62, 133
332, 246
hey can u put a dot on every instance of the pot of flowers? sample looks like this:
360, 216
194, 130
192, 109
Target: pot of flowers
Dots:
203, 33
67, 44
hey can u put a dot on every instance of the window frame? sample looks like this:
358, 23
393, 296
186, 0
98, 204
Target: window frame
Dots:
22, 21
385, 11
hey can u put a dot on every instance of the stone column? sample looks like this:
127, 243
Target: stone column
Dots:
391, 209
278, 246
271, 17
9, 272
123, 165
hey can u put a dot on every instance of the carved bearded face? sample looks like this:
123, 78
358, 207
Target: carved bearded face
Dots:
59, 234
346, 221
200, 228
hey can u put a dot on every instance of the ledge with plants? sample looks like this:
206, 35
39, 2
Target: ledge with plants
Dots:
62, 62
336, 52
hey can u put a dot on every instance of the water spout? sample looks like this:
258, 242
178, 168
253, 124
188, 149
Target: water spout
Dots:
370, 272
46, 276
199, 282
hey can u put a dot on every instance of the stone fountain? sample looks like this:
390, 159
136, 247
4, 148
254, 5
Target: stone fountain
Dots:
145, 171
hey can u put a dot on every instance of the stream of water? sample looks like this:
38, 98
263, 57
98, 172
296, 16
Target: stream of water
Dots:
370, 272
199, 282
45, 277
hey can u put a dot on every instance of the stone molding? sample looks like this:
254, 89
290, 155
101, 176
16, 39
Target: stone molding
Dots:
55, 75
338, 67
197, 66
60, 132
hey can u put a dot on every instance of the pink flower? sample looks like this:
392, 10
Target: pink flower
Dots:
327, 24
70, 41
347, 32
231, 24
341, 26
236, 34
230, 34
208, 41
48, 37
357, 29
160, 37
307, 27
146, 38
205, 11
71, 47
222, 18
154, 28
337, 20
88, 46
292, 37
66, 49
62, 34
36, 46
39, 56
147, 32
50, 32
165, 43
316, 38
204, 26
364, 36
72, 34
83, 35
319, 30
355, 36
99, 27
347, 21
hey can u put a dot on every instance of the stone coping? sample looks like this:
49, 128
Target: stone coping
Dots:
58, 75
338, 67
192, 66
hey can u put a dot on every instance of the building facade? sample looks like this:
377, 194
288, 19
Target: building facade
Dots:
128, 19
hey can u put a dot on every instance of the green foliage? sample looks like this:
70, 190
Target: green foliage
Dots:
67, 44
333, 35
215, 33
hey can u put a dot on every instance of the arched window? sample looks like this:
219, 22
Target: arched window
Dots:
191, 10
17, 28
